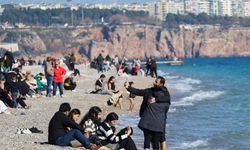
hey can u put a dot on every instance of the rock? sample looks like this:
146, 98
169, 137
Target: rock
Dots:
135, 42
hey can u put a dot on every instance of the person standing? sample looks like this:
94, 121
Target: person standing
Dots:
49, 74
148, 66
72, 61
153, 69
59, 73
153, 112
99, 61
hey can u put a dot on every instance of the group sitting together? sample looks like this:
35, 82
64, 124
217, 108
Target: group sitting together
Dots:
91, 133
15, 85
115, 95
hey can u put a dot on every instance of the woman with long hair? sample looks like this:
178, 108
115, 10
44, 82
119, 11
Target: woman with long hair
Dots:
117, 95
90, 123
109, 138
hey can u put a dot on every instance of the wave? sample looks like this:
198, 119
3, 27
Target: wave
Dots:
184, 84
194, 144
172, 110
162, 73
190, 81
196, 97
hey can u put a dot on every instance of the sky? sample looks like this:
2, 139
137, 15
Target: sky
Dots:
73, 1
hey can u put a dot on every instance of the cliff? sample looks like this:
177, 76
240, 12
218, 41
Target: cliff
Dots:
133, 41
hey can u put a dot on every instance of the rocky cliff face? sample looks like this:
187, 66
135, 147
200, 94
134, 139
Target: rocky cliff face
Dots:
134, 42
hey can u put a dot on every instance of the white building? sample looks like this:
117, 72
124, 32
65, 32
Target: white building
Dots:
214, 7
159, 10
191, 6
176, 7
237, 8
246, 8
225, 8
1, 10
204, 6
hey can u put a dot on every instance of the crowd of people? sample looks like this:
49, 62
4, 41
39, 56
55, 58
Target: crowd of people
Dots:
125, 67
16, 85
92, 132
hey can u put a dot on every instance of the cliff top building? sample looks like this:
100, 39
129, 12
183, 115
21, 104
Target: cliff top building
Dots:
246, 8
225, 8
1, 10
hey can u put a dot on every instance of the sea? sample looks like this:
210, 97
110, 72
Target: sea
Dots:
210, 107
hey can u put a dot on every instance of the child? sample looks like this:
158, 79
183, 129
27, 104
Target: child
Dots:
131, 99
40, 85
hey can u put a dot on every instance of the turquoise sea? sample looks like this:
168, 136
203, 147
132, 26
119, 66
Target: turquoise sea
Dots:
211, 107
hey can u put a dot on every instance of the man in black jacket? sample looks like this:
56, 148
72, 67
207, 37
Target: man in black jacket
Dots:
153, 112
57, 125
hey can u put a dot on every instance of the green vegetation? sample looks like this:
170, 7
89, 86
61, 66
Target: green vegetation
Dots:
63, 16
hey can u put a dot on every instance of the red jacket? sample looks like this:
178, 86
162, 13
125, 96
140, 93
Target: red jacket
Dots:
58, 74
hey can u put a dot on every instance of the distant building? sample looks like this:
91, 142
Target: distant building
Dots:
176, 7
214, 7
204, 6
159, 10
246, 8
225, 8
237, 8
191, 6
12, 47
1, 10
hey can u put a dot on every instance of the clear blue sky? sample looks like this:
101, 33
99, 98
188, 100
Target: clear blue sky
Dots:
74, 1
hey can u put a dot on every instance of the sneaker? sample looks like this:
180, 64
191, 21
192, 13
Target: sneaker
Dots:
35, 130
26, 131
27, 107
62, 96
19, 131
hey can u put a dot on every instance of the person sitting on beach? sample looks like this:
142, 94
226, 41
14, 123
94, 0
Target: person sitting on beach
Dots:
153, 112
131, 99
117, 95
74, 115
99, 86
57, 125
40, 85
59, 73
7, 99
31, 83
69, 83
15, 89
90, 122
121, 140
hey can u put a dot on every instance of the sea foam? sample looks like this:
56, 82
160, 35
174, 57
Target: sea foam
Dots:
194, 144
196, 97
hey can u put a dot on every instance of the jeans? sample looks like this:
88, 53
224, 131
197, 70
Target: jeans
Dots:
14, 99
60, 85
69, 136
49, 84
100, 68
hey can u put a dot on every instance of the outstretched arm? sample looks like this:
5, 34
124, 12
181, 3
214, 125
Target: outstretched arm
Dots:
138, 92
